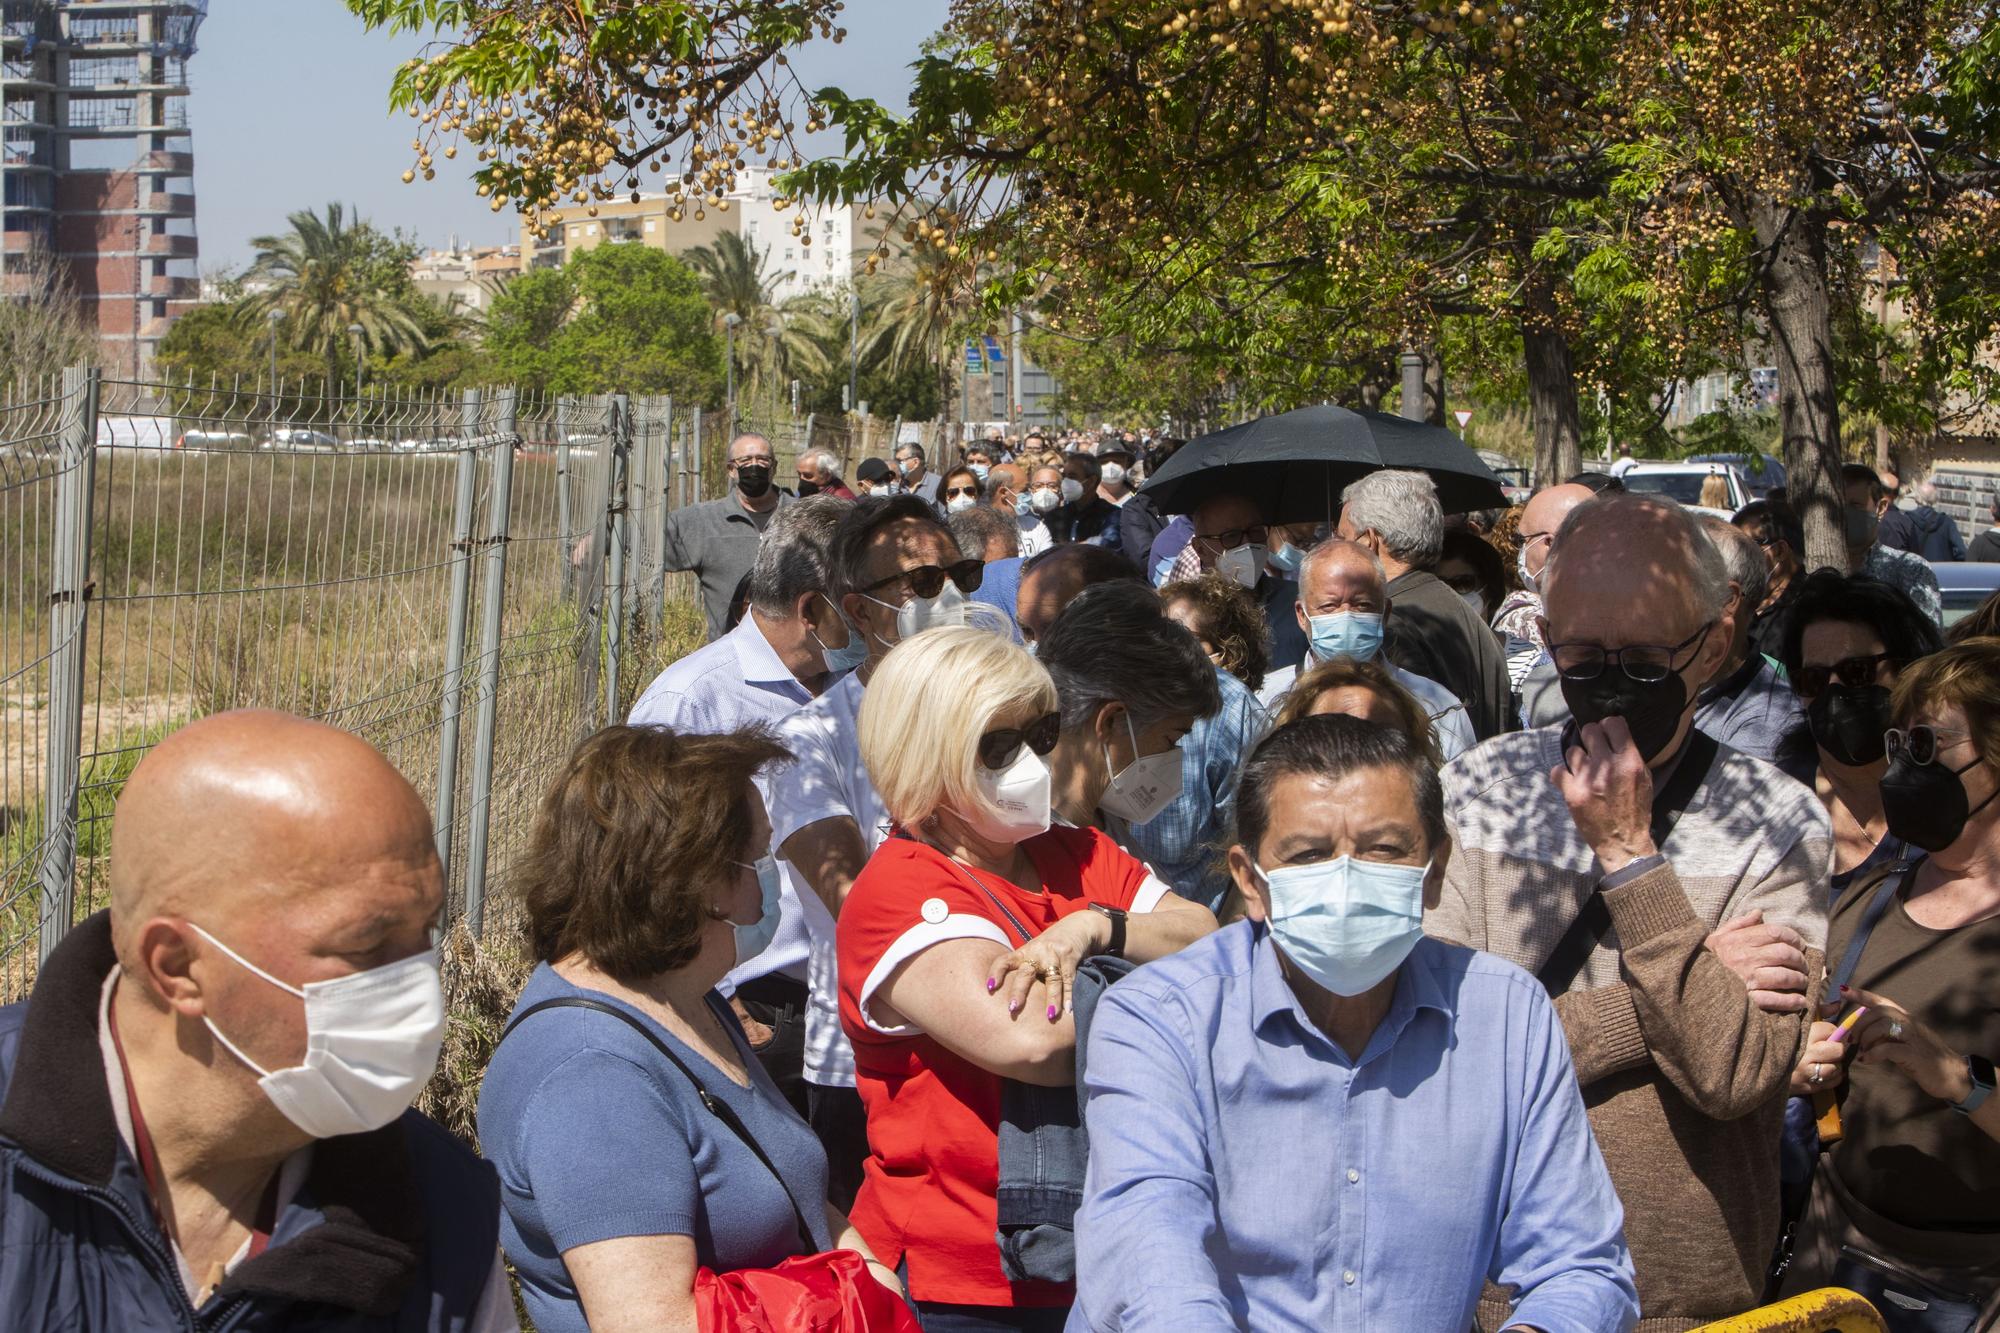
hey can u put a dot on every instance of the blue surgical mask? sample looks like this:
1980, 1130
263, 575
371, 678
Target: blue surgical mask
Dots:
1355, 634
980, 470
850, 654
1287, 559
752, 940
1346, 924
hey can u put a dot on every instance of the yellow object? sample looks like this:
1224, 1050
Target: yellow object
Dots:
1828, 1310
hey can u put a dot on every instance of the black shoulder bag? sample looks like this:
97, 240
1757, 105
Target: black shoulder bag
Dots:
716, 1106
1593, 919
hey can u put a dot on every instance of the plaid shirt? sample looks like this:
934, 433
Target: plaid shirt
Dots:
1183, 843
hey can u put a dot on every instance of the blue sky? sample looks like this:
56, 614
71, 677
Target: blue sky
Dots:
290, 111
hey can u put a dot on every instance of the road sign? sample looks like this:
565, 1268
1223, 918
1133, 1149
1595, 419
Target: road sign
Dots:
1464, 414
993, 352
972, 359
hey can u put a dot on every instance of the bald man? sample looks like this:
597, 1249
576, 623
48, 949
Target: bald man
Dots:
1519, 619
1668, 892
207, 1096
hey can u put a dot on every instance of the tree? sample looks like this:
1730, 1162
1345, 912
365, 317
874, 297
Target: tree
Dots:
329, 274
736, 280
42, 328
624, 318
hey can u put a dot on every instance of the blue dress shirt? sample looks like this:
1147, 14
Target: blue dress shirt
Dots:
1182, 842
1245, 1173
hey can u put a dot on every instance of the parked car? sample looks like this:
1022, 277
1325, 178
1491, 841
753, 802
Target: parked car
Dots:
1683, 482
1964, 585
294, 437
1761, 472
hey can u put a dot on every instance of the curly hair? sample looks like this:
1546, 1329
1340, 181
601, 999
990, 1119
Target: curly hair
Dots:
1352, 673
1505, 537
631, 839
1228, 619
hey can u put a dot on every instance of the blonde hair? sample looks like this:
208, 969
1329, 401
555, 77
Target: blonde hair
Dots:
1714, 492
926, 707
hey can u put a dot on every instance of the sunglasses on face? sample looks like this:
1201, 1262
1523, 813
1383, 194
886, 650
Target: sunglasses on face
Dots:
953, 492
1000, 747
1922, 742
1646, 663
1853, 672
752, 461
929, 580
1256, 535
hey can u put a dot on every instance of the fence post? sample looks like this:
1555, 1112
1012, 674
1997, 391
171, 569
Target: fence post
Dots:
804, 448
492, 607
563, 500
69, 584
694, 459
446, 805
621, 531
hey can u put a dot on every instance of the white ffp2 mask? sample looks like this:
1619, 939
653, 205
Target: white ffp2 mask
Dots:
1149, 784
372, 1042
1015, 802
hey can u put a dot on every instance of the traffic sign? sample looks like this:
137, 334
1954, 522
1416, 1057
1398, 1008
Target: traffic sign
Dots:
993, 352
1464, 414
972, 359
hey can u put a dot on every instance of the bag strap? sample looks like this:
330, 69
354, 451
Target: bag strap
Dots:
1593, 919
994, 898
1896, 876
716, 1106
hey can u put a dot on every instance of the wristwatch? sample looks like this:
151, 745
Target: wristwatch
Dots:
1116, 916
1980, 1069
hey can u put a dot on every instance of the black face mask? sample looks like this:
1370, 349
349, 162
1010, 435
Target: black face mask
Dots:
753, 482
1848, 721
808, 488
1925, 804
1652, 709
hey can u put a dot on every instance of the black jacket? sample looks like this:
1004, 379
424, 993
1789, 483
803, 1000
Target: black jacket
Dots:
1431, 631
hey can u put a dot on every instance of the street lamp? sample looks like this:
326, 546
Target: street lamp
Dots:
274, 317
357, 332
729, 323
853, 347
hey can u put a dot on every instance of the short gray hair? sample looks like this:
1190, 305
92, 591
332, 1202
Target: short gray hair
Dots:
792, 554
1321, 552
1402, 508
1709, 574
822, 462
1742, 557
973, 528
1925, 491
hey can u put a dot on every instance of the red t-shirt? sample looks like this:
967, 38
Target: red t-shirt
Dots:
933, 1118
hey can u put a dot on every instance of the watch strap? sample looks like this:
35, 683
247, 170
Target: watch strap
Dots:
1116, 915
1980, 1069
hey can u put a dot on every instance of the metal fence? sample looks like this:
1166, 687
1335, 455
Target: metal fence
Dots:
470, 581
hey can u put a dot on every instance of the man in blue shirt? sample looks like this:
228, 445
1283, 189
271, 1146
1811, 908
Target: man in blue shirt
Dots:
1318, 1118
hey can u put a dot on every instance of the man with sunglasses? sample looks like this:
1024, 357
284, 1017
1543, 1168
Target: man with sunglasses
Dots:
893, 570
1662, 888
1777, 531
1232, 537
717, 539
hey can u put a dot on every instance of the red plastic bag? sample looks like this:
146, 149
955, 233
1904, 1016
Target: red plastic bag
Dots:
809, 1293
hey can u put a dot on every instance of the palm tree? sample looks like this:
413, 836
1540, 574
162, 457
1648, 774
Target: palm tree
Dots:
734, 278
914, 309
324, 276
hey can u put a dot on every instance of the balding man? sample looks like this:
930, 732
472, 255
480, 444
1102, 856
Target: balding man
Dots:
1232, 537
1344, 610
717, 539
1651, 879
207, 1113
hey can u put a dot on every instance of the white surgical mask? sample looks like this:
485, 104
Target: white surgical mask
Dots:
1243, 565
372, 1042
958, 504
1528, 580
1042, 499
980, 470
1014, 802
1347, 924
1472, 599
1144, 787
752, 939
1113, 474
922, 613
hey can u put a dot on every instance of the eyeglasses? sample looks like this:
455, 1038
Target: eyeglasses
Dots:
1645, 663
953, 492
1853, 672
1001, 747
1257, 535
755, 460
1921, 742
928, 580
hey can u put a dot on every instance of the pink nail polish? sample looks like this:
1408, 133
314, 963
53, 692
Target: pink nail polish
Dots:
991, 985
1013, 1006
1052, 1013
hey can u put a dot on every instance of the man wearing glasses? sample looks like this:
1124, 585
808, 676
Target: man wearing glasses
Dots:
1776, 529
717, 539
1666, 891
895, 571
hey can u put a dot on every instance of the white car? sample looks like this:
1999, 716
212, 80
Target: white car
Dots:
1684, 481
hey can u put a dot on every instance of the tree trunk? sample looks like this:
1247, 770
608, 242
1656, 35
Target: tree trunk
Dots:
1434, 406
1799, 318
1551, 392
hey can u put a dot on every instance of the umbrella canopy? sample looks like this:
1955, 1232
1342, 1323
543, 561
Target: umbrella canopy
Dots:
1294, 465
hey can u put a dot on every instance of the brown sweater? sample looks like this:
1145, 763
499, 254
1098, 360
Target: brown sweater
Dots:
1684, 1078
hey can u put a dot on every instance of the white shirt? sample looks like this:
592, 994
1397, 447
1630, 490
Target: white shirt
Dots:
825, 780
736, 682
495, 1312
1449, 721
1035, 536
1623, 465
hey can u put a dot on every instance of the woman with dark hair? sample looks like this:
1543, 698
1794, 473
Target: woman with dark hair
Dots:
1470, 567
961, 488
1847, 638
618, 1179
1226, 620
1130, 682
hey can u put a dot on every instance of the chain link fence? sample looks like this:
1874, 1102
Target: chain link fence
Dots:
469, 581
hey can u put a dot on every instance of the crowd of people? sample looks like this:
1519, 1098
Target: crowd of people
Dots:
1034, 911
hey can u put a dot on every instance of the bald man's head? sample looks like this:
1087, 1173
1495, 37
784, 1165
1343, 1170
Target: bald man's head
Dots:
1545, 512
1052, 580
249, 817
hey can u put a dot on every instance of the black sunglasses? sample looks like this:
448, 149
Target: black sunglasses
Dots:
953, 492
928, 580
999, 748
1235, 537
1853, 672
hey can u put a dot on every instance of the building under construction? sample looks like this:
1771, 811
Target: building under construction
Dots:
96, 163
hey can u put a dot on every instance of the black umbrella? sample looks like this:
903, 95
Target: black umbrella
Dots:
1294, 465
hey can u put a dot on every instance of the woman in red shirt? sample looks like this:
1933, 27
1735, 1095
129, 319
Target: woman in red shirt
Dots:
958, 943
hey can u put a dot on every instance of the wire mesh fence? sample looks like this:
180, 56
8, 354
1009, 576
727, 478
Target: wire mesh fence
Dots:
469, 581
